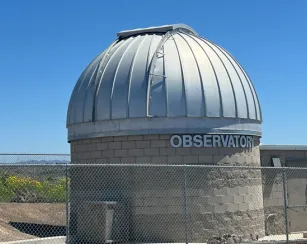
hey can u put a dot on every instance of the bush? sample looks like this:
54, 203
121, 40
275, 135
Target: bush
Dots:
25, 189
54, 192
5, 194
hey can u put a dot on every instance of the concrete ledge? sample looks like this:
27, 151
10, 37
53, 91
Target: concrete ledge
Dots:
283, 147
48, 240
167, 125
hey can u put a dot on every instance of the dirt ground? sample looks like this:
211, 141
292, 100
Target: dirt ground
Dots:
20, 221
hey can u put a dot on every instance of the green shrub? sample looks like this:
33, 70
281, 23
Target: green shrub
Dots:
5, 193
54, 192
21, 189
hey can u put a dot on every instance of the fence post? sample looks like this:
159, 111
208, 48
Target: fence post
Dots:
66, 203
185, 205
285, 203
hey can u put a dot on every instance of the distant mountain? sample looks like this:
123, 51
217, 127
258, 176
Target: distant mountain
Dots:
43, 162
40, 169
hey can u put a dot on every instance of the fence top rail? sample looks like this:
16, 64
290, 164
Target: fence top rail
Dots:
33, 165
34, 154
188, 166
69, 165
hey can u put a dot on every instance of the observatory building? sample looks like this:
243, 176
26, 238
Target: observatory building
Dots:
162, 96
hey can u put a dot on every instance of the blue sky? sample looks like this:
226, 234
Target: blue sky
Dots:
45, 45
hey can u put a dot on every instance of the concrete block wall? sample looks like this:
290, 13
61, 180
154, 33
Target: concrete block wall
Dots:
156, 149
273, 194
219, 201
232, 201
273, 202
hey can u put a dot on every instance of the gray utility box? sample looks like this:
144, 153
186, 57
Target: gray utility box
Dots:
95, 221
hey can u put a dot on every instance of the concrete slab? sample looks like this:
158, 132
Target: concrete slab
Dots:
48, 240
292, 237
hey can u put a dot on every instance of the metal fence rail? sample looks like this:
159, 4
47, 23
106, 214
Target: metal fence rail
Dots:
91, 203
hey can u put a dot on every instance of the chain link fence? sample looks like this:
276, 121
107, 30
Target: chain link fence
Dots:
33, 194
46, 196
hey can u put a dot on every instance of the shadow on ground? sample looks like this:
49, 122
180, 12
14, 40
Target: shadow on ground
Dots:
39, 230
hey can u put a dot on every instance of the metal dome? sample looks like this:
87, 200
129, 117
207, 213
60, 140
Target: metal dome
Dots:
161, 80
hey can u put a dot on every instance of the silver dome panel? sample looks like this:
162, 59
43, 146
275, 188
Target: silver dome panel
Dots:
166, 73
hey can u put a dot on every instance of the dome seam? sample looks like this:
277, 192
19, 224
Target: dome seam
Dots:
147, 75
115, 75
183, 82
102, 65
87, 91
130, 74
199, 74
122, 44
252, 88
221, 110
73, 94
241, 82
88, 69
230, 81
150, 71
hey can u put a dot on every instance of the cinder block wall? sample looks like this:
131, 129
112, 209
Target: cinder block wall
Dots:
220, 201
273, 194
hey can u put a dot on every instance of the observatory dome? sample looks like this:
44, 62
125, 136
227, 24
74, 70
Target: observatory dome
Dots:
163, 80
